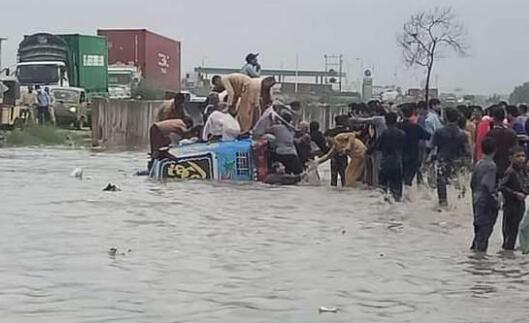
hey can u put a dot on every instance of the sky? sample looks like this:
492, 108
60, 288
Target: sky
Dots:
221, 33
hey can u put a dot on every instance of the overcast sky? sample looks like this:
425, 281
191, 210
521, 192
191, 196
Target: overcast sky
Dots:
220, 33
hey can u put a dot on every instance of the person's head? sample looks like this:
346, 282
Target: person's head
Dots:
452, 115
435, 105
498, 114
268, 82
503, 104
304, 127
37, 87
252, 58
407, 110
477, 112
30, 89
314, 126
488, 146
213, 99
461, 121
512, 112
391, 119
179, 99
47, 90
380, 110
341, 120
295, 106
517, 156
216, 81
422, 108
466, 111
522, 109
278, 168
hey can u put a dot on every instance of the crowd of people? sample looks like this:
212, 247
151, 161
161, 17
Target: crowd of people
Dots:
384, 146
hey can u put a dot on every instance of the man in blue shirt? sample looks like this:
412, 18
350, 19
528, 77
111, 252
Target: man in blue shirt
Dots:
433, 121
252, 67
43, 105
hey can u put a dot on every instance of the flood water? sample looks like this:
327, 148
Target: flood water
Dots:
218, 252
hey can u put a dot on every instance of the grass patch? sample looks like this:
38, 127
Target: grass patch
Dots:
45, 136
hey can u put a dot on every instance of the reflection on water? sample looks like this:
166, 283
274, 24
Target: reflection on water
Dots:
220, 252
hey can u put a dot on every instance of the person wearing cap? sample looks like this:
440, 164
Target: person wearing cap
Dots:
251, 68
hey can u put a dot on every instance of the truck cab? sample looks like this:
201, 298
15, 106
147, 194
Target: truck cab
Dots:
44, 73
123, 81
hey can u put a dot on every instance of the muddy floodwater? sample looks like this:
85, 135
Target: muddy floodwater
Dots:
220, 252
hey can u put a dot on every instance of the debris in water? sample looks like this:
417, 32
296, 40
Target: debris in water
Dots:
114, 252
324, 309
77, 173
111, 188
142, 173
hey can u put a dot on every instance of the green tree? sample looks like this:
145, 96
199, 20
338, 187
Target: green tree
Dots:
520, 94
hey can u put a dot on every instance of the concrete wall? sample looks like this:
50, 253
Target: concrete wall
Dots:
123, 124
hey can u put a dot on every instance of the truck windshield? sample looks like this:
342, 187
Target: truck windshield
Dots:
119, 79
38, 74
65, 96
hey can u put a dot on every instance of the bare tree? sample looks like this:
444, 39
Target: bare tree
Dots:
428, 36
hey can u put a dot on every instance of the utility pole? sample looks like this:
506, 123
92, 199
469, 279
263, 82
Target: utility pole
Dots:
334, 67
297, 74
1, 40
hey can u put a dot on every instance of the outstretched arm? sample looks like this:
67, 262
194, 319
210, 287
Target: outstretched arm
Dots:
328, 155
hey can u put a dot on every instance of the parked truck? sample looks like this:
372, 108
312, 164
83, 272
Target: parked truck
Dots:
142, 63
64, 60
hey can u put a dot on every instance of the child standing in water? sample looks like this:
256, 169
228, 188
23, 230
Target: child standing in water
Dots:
514, 188
484, 196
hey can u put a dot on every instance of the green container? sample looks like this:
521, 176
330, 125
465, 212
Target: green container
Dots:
88, 63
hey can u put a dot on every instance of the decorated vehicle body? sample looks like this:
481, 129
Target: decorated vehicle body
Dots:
240, 160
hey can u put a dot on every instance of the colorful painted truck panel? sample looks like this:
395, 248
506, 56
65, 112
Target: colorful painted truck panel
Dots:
234, 160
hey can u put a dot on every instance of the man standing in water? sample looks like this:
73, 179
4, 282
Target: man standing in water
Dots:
339, 160
414, 134
485, 203
505, 139
514, 188
378, 121
432, 123
450, 146
391, 144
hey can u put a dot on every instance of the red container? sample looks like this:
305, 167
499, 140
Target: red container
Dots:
157, 57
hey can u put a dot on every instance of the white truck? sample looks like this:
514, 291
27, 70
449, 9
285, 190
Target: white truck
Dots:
123, 81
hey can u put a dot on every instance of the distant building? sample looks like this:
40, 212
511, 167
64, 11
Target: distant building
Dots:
419, 93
